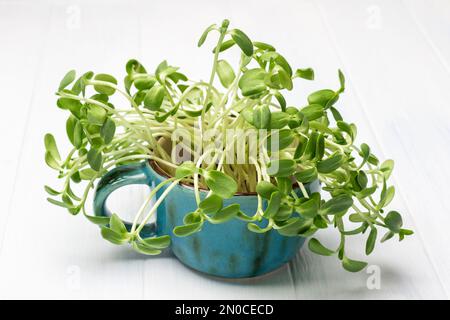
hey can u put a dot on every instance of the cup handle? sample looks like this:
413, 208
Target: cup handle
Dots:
116, 178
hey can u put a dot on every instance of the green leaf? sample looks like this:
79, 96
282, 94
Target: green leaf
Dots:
325, 97
51, 191
337, 205
134, 66
265, 189
261, 117
211, 204
205, 34
141, 248
68, 79
294, 226
273, 205
301, 147
280, 140
60, 204
186, 169
364, 153
313, 111
154, 98
280, 100
225, 45
331, 163
386, 197
226, 213
307, 74
160, 242
307, 175
103, 88
75, 177
252, 82
371, 239
366, 192
108, 130
95, 159
386, 167
187, 229
247, 114
336, 115
362, 179
320, 147
278, 120
393, 221
373, 160
404, 232
355, 217
253, 227
341, 81
353, 265
320, 222
388, 235
162, 66
310, 149
71, 130
88, 174
101, 221
281, 168
284, 79
192, 217
100, 97
114, 237
276, 58
242, 41
80, 85
50, 146
225, 73
281, 61
116, 224
51, 162
284, 185
347, 129
145, 82
220, 183
263, 46
315, 246
308, 208
284, 212
177, 76
96, 115
164, 72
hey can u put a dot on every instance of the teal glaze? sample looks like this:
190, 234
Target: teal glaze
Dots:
226, 250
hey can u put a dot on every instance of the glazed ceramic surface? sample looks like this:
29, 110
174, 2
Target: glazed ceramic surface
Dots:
227, 250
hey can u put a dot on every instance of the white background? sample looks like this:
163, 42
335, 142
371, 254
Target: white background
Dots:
395, 54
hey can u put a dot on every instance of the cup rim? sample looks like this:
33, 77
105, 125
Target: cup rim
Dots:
157, 168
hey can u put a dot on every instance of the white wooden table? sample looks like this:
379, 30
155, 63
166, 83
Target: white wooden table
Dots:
395, 54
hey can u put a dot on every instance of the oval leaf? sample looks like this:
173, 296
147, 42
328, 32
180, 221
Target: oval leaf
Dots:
220, 184
242, 41
187, 229
225, 73
104, 88
315, 246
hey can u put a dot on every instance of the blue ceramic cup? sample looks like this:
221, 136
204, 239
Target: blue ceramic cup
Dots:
227, 250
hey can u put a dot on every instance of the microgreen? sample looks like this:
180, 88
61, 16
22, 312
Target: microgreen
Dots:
305, 142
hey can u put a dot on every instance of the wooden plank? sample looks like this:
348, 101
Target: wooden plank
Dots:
432, 19
19, 64
47, 253
384, 55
